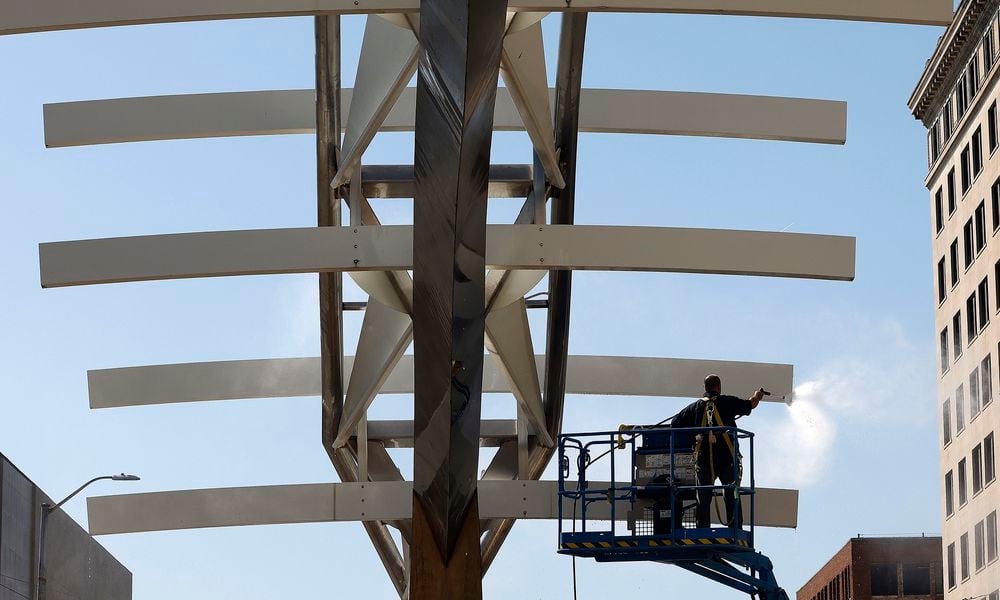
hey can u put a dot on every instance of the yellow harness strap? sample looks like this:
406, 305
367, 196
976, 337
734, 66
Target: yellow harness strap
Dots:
708, 417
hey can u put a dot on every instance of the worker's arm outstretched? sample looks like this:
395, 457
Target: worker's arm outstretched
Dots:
731, 407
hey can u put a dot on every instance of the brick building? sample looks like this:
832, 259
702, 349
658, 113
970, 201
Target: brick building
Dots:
885, 567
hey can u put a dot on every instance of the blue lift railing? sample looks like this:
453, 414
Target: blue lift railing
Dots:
658, 495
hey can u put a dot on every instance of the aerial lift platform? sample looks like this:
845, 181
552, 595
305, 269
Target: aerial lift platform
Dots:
658, 498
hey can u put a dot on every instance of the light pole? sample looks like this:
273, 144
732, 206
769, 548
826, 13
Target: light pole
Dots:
47, 509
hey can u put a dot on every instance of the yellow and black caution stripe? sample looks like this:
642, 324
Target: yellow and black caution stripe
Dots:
655, 543
592, 545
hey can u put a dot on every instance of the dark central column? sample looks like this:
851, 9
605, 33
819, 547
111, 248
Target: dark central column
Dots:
456, 91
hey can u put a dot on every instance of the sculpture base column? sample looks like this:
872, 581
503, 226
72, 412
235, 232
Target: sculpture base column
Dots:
431, 578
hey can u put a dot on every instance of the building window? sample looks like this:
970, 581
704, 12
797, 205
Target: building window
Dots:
944, 351
986, 377
942, 277
963, 554
980, 227
916, 579
971, 325
959, 409
939, 209
968, 243
991, 124
946, 421
977, 469
995, 197
952, 582
884, 580
979, 541
984, 303
974, 393
988, 49
966, 167
949, 494
989, 461
951, 192
953, 255
973, 76
961, 97
996, 273
946, 119
933, 144
956, 334
963, 496
991, 537
977, 152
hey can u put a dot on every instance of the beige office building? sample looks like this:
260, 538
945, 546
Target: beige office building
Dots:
956, 99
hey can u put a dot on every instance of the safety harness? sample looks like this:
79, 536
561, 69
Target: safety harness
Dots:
708, 418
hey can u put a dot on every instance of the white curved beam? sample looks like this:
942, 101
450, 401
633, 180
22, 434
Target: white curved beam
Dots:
390, 248
281, 112
386, 501
295, 377
26, 16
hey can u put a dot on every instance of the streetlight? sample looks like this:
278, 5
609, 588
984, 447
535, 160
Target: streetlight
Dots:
47, 509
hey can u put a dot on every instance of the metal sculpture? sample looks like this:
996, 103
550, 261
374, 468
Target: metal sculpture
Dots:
468, 289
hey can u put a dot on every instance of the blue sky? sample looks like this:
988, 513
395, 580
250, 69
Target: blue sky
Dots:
862, 446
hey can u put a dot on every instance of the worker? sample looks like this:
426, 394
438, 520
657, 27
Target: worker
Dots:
715, 452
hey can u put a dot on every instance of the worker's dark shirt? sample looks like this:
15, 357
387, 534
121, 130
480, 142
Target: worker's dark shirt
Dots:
726, 407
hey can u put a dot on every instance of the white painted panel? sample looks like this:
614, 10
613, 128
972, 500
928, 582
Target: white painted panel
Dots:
385, 334
293, 111
382, 501
388, 61
522, 66
665, 249
508, 338
211, 254
399, 434
635, 376
317, 503
291, 377
390, 248
24, 16
714, 115
220, 507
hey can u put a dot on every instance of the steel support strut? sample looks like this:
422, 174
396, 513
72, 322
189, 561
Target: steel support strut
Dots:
331, 284
328, 215
728, 568
459, 65
567, 116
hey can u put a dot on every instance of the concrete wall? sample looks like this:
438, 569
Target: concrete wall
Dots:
78, 567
